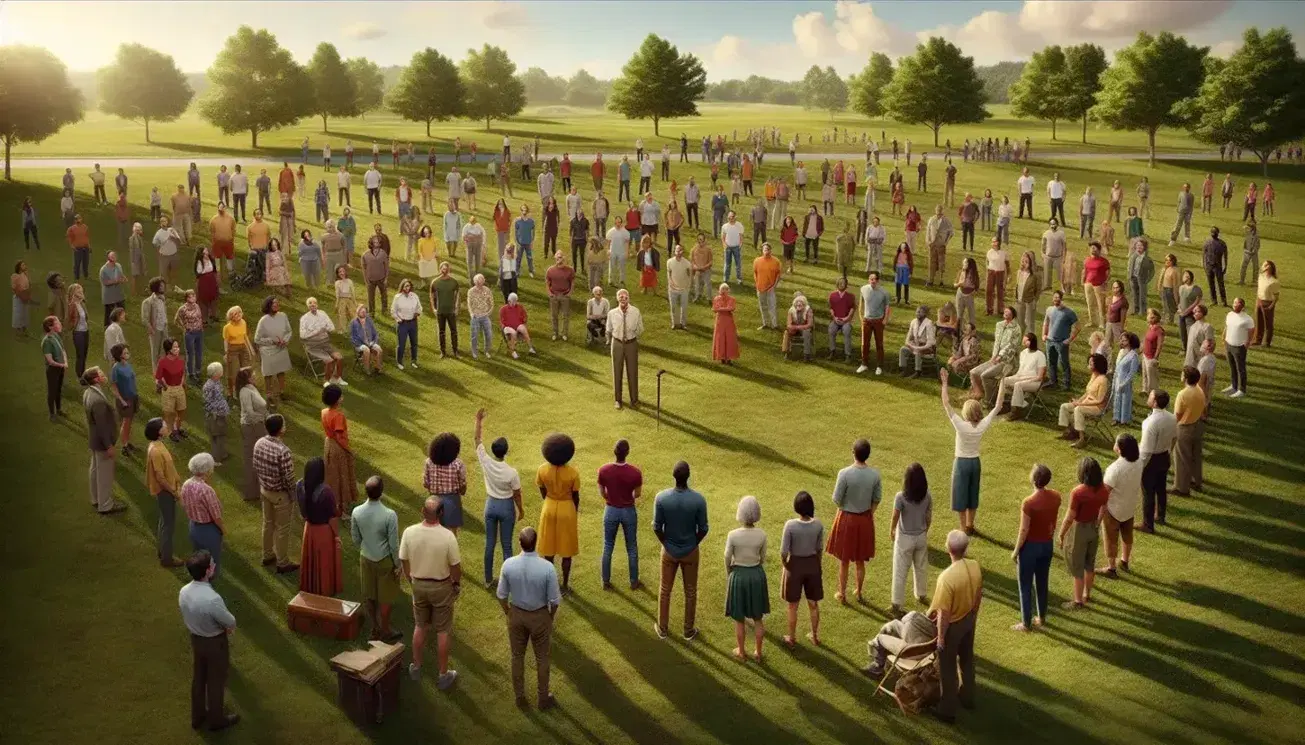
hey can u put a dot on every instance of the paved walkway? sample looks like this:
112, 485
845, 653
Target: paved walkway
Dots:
110, 163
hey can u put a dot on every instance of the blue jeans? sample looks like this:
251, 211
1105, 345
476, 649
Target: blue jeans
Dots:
500, 522
1058, 357
407, 332
480, 328
733, 254
1034, 568
194, 345
524, 252
627, 519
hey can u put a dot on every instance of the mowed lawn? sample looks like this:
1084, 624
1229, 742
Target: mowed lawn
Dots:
562, 128
1201, 643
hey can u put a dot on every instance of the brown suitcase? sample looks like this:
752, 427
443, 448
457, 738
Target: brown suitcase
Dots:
319, 615
368, 682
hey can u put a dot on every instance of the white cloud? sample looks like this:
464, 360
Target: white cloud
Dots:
855, 30
727, 51
1225, 49
364, 31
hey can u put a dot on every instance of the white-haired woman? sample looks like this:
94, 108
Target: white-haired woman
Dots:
799, 323
596, 311
480, 304
747, 596
203, 509
970, 425
512, 317
216, 410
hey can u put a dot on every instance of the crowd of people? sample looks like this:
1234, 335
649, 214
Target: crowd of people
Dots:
1030, 352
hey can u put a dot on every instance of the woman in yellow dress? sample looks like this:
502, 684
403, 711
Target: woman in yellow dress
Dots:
559, 484
428, 264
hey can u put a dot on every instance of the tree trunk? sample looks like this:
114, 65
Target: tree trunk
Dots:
1085, 116
937, 126
324, 129
657, 121
1053, 130
147, 130
1150, 138
428, 129
8, 176
1264, 162
486, 124
253, 133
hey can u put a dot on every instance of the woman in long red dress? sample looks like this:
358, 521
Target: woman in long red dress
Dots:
725, 335
321, 565
336, 453
206, 283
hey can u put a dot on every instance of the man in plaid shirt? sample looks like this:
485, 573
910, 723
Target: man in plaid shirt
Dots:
275, 468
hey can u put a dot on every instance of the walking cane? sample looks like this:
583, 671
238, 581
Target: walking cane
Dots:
660, 373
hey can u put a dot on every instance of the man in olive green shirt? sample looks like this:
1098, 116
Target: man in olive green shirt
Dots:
445, 292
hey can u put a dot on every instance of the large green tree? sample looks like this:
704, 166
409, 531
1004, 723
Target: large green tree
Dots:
542, 88
824, 90
368, 84
36, 97
1254, 100
583, 89
867, 87
935, 86
1042, 90
429, 89
1084, 66
1149, 84
658, 83
333, 86
493, 90
256, 86
143, 85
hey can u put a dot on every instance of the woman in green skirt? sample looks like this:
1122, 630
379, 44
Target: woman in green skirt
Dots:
747, 596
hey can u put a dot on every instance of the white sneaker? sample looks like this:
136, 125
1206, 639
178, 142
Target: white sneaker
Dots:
1237, 394
327, 382
516, 356
879, 371
1229, 389
342, 382
862, 369
414, 364
532, 351
474, 356
563, 337
399, 365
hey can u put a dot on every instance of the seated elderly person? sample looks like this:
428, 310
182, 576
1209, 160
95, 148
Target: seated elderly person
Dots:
967, 353
1005, 353
894, 636
596, 311
366, 342
512, 317
315, 329
1075, 412
799, 323
921, 342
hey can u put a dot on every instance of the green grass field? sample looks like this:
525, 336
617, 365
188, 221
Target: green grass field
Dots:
1202, 643
565, 128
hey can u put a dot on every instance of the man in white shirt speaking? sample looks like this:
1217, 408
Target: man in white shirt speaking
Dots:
624, 327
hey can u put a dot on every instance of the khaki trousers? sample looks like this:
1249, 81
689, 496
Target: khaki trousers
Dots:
625, 361
533, 628
101, 480
688, 565
1188, 461
1019, 388
1095, 297
276, 526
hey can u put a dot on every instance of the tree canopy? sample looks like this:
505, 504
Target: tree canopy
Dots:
1149, 85
36, 97
1042, 90
867, 87
143, 85
429, 89
584, 89
935, 86
493, 90
1254, 99
1084, 65
542, 88
658, 83
256, 86
368, 84
333, 87
824, 90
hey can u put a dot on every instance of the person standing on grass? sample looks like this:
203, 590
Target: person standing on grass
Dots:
938, 231
967, 469
276, 480
1159, 436
747, 597
210, 625
559, 280
680, 524
1124, 479
1054, 249
1214, 259
102, 436
1079, 530
624, 327
432, 564
957, 597
165, 486
800, 554
1238, 328
319, 507
529, 595
858, 490
445, 296
503, 501
559, 487
374, 528
621, 485
1033, 548
1183, 223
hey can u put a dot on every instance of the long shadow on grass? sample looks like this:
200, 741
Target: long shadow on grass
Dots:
719, 439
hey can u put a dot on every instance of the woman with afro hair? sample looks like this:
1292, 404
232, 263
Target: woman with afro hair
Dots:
445, 477
559, 485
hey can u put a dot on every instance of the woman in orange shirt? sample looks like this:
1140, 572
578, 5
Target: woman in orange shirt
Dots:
340, 475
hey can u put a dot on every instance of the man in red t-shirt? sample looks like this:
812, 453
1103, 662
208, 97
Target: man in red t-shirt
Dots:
596, 170
842, 306
559, 279
621, 484
1096, 275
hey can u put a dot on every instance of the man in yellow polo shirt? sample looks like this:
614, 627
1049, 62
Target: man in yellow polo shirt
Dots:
428, 552
955, 608
1188, 410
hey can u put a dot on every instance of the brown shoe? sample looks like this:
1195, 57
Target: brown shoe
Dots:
287, 568
227, 721
269, 561
547, 702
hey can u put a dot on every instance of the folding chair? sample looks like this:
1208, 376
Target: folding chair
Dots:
1098, 424
310, 365
1036, 403
907, 659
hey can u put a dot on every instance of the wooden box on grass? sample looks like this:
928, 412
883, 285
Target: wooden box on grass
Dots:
319, 615
369, 681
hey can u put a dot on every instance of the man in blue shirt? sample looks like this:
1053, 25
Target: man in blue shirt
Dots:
210, 623
375, 531
1060, 328
680, 523
524, 232
528, 592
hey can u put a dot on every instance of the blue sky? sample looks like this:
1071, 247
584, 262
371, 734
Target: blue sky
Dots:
734, 39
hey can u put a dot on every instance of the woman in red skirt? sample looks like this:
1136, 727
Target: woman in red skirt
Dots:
206, 283
321, 569
857, 493
649, 263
